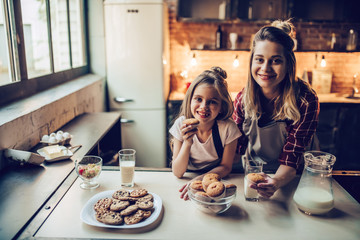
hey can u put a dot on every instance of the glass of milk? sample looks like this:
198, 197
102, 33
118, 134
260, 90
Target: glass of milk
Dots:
251, 167
314, 194
127, 167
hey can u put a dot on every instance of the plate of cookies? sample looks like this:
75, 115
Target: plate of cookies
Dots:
122, 209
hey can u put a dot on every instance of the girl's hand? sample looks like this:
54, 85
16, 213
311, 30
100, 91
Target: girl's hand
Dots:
187, 132
268, 188
183, 190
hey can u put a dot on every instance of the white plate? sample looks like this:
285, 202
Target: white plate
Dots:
67, 154
87, 214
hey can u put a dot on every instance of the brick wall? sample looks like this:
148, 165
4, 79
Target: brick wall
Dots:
187, 36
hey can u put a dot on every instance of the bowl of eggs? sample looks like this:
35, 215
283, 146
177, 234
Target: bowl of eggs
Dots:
60, 137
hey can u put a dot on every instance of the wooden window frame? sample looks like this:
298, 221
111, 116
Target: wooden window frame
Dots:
26, 87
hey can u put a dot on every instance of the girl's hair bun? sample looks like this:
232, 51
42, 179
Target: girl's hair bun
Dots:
220, 72
286, 26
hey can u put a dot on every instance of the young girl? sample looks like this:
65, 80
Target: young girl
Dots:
210, 145
276, 112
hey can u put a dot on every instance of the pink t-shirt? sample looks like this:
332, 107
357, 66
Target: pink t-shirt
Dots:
204, 154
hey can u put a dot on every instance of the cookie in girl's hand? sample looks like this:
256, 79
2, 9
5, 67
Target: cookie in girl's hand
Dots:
191, 121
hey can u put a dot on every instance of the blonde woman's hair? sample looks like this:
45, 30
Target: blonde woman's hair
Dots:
214, 77
285, 105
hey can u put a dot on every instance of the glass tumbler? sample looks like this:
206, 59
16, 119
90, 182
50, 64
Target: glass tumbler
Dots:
127, 167
89, 169
251, 166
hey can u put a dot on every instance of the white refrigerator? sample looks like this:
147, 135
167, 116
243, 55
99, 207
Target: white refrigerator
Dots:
137, 59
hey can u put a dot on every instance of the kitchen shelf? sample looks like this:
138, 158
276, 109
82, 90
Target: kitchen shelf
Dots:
247, 50
220, 50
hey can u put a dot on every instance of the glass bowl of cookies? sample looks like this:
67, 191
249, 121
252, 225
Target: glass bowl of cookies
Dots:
211, 194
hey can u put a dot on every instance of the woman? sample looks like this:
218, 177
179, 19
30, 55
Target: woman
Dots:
276, 112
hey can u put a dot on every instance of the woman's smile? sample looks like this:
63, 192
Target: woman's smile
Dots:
266, 77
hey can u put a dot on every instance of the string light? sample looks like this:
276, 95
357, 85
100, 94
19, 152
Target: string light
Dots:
236, 61
184, 74
193, 60
323, 61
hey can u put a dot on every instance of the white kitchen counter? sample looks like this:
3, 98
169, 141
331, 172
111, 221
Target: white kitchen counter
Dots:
277, 218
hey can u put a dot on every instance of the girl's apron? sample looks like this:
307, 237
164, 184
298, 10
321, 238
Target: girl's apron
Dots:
265, 142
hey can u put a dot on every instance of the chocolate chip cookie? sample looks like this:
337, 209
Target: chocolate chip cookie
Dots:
137, 193
102, 205
109, 217
118, 205
134, 218
129, 210
146, 205
147, 197
121, 195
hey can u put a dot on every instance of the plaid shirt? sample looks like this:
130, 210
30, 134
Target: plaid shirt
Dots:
299, 134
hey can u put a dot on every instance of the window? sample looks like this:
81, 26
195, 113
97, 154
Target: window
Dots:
42, 44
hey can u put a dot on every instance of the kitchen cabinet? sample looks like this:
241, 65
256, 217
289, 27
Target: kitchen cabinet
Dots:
259, 10
206, 10
324, 10
338, 133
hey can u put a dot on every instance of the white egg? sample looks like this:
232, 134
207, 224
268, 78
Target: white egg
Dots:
60, 132
52, 139
45, 138
59, 137
66, 135
52, 135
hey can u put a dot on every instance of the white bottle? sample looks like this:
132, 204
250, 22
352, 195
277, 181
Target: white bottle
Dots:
333, 41
352, 40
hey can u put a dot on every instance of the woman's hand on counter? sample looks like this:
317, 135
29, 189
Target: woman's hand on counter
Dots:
283, 176
268, 188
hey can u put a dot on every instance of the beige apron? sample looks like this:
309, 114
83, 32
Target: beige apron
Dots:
265, 143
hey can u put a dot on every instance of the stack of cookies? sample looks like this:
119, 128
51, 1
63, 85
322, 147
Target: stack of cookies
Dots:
125, 207
211, 186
